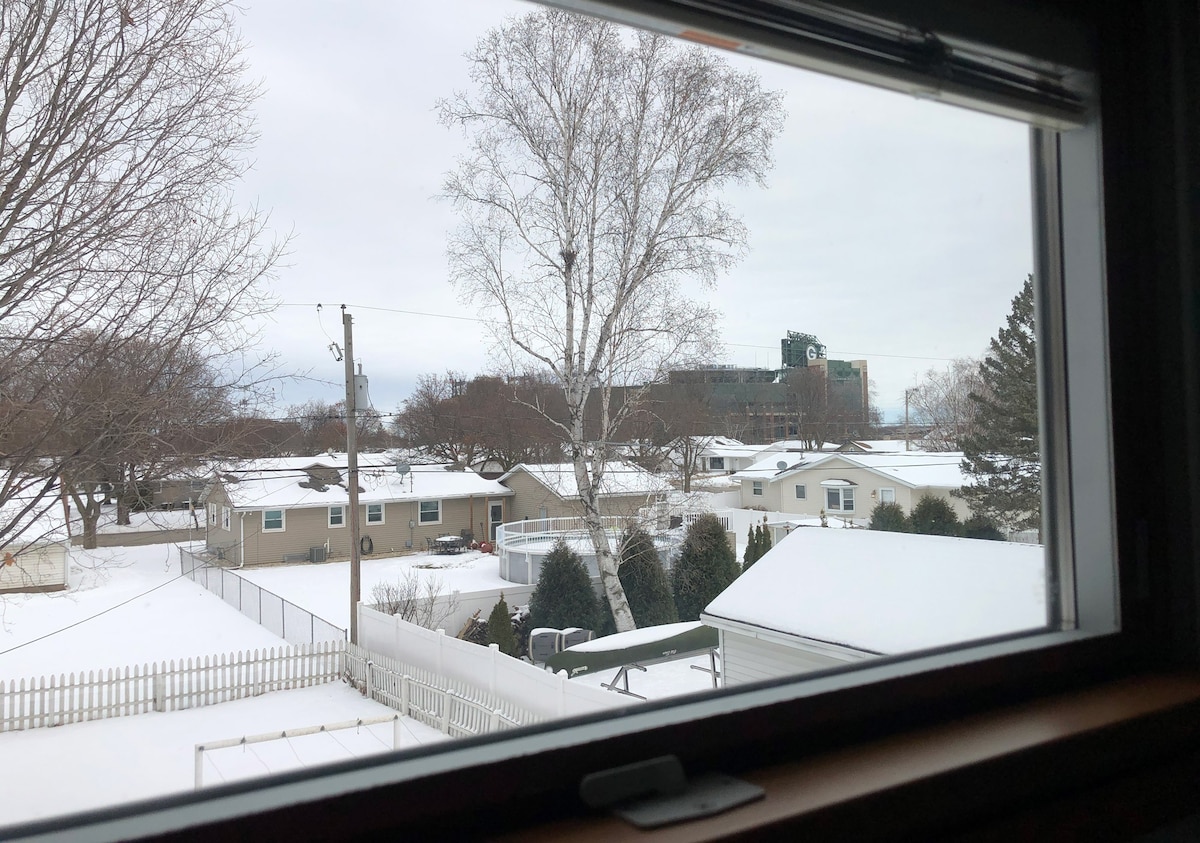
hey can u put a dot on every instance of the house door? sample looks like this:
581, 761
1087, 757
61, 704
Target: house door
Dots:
495, 518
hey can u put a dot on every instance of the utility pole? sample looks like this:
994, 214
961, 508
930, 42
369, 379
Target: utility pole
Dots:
906, 393
352, 477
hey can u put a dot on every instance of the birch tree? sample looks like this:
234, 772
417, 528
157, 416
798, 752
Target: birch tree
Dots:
590, 195
123, 127
942, 402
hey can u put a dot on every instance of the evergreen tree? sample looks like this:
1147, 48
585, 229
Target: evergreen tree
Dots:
764, 539
751, 555
1002, 456
934, 517
564, 595
706, 566
645, 581
500, 629
890, 517
981, 527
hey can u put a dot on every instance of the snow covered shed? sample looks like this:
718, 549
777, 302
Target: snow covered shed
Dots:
823, 598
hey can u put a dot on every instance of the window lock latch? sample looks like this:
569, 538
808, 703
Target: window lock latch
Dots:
656, 792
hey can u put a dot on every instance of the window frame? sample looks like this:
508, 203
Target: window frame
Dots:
716, 463
801, 491
775, 715
341, 516
756, 488
887, 490
282, 521
377, 521
421, 521
226, 516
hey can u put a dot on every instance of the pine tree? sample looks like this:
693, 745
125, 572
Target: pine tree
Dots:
706, 566
500, 630
751, 555
981, 527
1002, 457
890, 517
645, 581
564, 596
933, 516
764, 539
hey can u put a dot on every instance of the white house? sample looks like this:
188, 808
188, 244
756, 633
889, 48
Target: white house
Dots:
823, 598
721, 453
849, 485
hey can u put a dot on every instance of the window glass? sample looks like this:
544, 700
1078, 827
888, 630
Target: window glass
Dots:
863, 289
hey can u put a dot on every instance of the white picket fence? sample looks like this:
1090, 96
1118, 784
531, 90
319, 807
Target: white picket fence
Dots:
165, 686
455, 708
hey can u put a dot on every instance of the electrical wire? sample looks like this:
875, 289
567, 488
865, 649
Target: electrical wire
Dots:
478, 320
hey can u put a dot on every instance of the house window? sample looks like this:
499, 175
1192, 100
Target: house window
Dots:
374, 513
272, 520
887, 495
801, 492
716, 463
337, 516
212, 515
1092, 455
224, 518
839, 499
430, 512
756, 487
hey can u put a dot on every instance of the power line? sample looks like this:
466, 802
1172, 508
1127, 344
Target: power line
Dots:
478, 320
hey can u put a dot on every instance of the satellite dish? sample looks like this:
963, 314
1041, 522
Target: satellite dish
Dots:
781, 465
402, 468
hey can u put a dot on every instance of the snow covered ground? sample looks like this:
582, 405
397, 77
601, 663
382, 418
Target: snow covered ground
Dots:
124, 606
325, 589
105, 762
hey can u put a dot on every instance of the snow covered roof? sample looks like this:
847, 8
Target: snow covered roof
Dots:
916, 469
723, 446
297, 482
620, 478
888, 593
879, 446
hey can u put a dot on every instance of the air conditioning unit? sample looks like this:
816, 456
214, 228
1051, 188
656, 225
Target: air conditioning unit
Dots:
316, 554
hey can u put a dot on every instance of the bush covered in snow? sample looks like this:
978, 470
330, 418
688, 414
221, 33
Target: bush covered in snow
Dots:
564, 595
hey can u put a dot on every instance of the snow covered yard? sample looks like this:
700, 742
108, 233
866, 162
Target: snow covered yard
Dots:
105, 762
324, 589
124, 606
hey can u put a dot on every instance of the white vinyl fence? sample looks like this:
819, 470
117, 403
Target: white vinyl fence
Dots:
513, 681
455, 708
165, 686
282, 617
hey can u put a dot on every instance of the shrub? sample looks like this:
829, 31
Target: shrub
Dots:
982, 527
706, 567
416, 600
751, 555
644, 580
764, 539
564, 595
889, 517
500, 628
934, 517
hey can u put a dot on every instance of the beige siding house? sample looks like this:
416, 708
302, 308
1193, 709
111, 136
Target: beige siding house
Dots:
550, 490
295, 508
825, 598
849, 485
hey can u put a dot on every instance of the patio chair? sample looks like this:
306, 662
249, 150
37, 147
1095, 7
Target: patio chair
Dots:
431, 545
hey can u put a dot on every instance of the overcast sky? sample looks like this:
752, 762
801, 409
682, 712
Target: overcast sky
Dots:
897, 230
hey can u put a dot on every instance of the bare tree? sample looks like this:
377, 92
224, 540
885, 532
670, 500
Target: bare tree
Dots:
590, 194
418, 600
122, 130
941, 402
